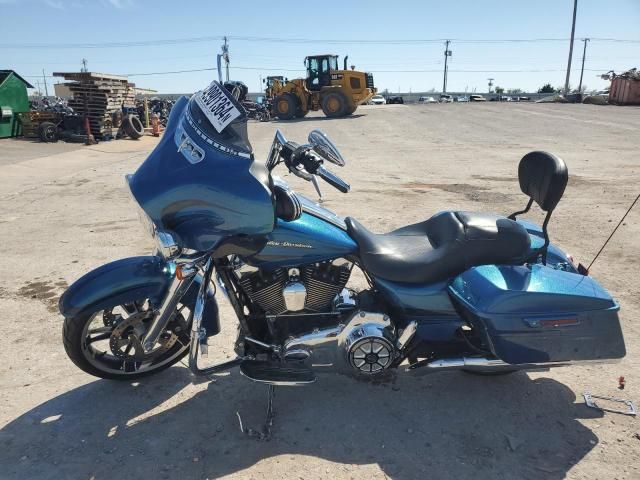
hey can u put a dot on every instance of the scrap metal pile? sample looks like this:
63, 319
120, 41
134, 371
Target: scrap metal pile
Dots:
625, 87
100, 98
54, 104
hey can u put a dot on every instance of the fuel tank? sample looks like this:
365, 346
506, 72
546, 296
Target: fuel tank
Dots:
308, 239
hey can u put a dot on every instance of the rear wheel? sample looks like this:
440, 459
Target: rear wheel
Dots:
108, 343
334, 105
285, 106
48, 132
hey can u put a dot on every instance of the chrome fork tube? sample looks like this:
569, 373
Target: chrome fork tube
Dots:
176, 291
198, 310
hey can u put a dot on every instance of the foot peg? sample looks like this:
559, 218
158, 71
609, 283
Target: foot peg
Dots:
277, 373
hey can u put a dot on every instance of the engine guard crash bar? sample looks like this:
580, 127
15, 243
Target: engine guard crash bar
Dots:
198, 335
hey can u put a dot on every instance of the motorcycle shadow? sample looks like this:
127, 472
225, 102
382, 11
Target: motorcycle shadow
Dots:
447, 425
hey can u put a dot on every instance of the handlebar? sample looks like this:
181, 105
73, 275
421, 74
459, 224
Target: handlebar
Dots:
332, 179
303, 163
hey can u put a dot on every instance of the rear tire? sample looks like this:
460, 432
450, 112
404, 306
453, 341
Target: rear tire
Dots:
285, 106
334, 105
48, 132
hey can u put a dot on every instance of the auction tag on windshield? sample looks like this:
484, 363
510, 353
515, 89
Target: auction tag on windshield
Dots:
218, 105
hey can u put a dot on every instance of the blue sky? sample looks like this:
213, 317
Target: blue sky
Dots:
413, 65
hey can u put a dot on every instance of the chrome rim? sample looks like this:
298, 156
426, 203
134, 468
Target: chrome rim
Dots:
111, 339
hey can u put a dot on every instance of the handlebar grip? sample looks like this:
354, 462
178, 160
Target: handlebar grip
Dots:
332, 179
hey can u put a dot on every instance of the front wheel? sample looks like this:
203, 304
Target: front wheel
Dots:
108, 343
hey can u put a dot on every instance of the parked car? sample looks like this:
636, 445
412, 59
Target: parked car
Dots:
462, 98
524, 99
427, 100
477, 98
392, 100
377, 100
444, 98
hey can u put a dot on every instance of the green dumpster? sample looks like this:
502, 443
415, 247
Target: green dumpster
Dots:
13, 100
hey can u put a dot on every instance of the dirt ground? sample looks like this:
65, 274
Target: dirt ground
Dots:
68, 212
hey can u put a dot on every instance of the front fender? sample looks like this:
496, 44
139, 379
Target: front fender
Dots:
130, 279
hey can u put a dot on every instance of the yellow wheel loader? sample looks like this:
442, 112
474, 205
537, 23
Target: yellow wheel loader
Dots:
337, 92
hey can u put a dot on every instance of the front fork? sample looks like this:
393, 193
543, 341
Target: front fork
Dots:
183, 279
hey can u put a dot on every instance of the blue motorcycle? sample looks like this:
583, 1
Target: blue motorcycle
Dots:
484, 293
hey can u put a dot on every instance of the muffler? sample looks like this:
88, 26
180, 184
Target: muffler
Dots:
487, 365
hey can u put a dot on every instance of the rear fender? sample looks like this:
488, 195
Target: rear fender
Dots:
131, 279
555, 255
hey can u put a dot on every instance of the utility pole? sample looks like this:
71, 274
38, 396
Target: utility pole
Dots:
584, 54
447, 54
84, 65
573, 32
225, 55
46, 90
490, 83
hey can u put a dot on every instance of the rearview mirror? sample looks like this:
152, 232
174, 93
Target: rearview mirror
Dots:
325, 147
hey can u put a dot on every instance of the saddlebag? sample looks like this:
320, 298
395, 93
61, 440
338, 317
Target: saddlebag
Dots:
538, 314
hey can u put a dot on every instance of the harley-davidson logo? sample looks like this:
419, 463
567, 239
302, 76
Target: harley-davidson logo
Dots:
274, 243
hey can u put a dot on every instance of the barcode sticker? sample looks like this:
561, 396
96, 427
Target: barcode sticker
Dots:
217, 104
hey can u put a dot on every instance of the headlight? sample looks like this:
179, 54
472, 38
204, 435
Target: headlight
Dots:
167, 245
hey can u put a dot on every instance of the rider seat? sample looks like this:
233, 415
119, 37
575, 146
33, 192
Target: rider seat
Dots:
440, 248
450, 242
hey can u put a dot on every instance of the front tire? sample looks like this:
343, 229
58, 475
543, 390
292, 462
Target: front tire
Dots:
106, 343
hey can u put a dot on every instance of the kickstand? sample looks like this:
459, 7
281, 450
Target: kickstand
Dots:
265, 432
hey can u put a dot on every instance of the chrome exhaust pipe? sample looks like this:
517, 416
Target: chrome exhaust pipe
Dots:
466, 362
488, 365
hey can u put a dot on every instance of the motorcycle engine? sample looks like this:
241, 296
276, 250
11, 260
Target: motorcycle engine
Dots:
308, 288
318, 320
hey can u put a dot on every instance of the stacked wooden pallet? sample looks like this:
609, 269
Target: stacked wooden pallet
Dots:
98, 96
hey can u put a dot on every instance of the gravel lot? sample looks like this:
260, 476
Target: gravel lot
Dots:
66, 213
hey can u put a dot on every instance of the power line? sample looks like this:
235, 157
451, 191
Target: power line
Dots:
216, 38
372, 71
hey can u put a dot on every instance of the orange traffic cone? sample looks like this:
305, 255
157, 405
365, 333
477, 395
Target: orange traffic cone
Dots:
155, 126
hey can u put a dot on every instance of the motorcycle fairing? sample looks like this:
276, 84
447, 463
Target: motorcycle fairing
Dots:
203, 186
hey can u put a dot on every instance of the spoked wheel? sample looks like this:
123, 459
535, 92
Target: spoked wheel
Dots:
108, 343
